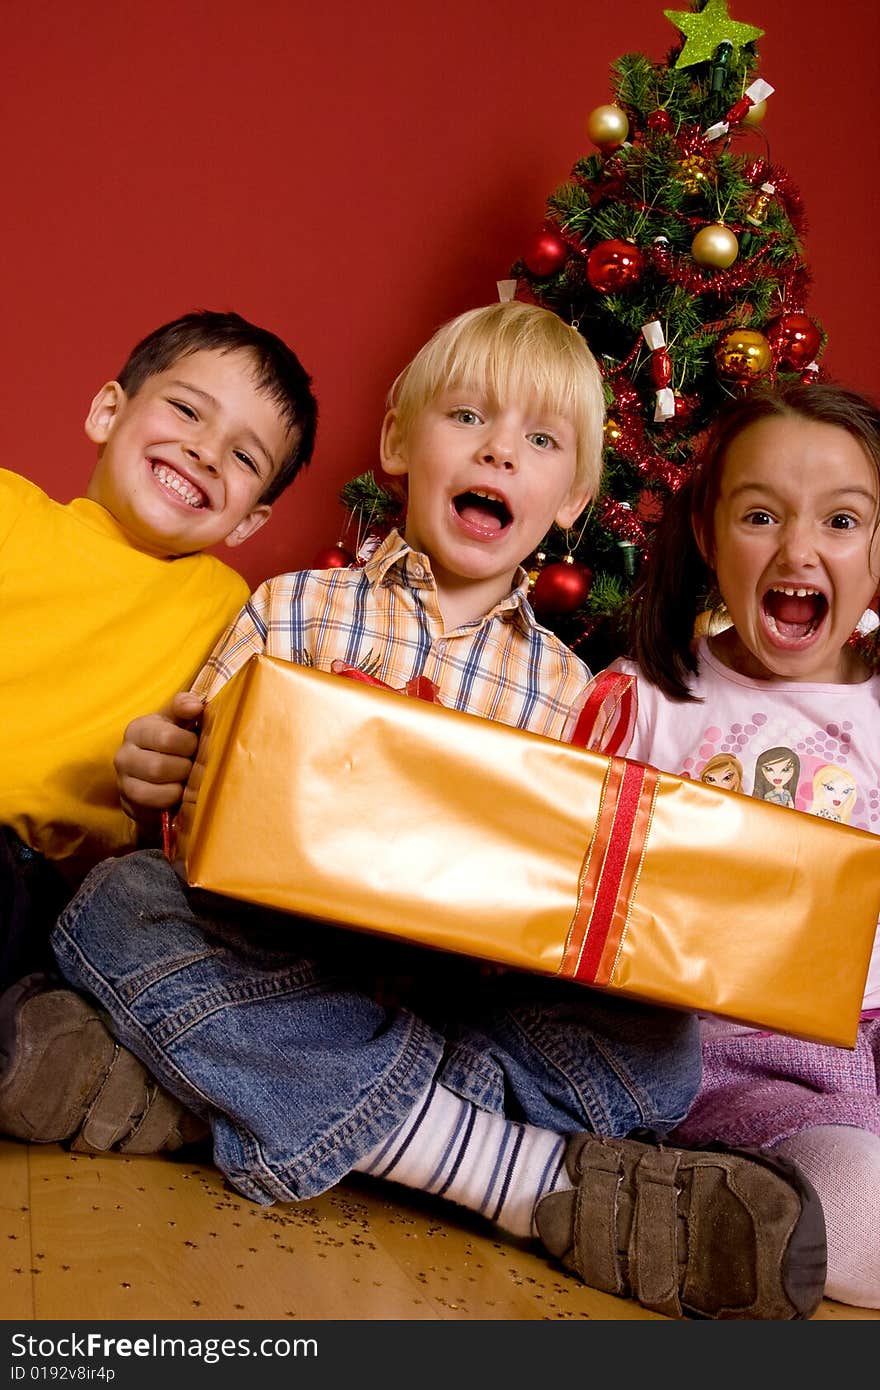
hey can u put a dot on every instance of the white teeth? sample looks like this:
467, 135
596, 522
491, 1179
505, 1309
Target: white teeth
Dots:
490, 496
179, 484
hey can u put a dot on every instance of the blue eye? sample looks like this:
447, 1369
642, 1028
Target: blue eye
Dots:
465, 415
543, 441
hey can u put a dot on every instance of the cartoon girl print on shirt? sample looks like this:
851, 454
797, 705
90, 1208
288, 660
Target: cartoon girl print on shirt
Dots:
776, 776
725, 771
834, 793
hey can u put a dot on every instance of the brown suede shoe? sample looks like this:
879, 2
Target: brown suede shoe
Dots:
63, 1076
701, 1233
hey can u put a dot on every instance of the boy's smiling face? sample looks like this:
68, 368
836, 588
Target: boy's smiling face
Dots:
485, 482
183, 463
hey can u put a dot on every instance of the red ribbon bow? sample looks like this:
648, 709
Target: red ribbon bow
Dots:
420, 687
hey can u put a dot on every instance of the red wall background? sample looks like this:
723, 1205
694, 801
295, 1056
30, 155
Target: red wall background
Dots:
350, 175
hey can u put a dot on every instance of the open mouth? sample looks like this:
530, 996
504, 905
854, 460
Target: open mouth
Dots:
181, 487
483, 511
794, 614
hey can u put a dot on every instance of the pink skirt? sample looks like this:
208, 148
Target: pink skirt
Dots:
760, 1088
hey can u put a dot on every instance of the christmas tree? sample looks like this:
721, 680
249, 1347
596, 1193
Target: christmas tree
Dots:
676, 252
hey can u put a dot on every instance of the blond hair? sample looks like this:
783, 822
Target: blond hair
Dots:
820, 776
512, 350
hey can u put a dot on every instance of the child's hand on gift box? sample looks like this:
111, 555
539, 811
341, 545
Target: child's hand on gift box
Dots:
154, 761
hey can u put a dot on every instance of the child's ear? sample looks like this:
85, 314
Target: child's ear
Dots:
103, 412
392, 454
249, 524
572, 507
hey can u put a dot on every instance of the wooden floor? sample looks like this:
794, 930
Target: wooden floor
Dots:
160, 1238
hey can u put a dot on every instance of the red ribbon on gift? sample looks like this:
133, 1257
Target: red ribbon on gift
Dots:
608, 714
420, 687
613, 861
610, 876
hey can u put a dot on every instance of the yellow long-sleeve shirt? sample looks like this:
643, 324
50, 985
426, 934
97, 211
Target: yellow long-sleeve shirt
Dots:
92, 633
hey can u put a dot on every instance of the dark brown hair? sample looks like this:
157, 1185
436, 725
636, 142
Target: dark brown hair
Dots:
277, 371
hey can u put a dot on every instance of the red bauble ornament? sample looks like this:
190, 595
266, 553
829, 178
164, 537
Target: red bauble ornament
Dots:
794, 339
660, 121
562, 587
332, 557
615, 266
546, 253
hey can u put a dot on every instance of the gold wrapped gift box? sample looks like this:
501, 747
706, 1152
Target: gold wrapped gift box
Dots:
360, 806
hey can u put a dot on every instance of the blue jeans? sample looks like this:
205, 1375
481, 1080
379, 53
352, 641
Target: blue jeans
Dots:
305, 1045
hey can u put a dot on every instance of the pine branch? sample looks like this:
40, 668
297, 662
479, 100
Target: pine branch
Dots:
366, 499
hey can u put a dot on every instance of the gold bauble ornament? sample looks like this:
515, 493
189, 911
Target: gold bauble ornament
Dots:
694, 172
607, 127
715, 246
756, 113
743, 354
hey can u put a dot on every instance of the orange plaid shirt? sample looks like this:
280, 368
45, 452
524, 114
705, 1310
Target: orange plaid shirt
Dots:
384, 618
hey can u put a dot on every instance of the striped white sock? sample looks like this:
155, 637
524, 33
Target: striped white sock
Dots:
484, 1162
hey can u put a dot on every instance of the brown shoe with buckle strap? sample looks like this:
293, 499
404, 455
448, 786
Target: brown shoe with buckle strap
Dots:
65, 1079
726, 1233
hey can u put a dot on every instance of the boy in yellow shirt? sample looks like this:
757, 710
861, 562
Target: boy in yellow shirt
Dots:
110, 605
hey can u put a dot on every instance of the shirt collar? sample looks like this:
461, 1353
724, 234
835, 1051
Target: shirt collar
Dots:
97, 518
394, 561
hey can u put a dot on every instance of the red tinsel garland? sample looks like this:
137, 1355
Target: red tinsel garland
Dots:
623, 522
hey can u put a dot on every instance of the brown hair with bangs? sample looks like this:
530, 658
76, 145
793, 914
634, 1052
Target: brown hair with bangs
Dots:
677, 582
